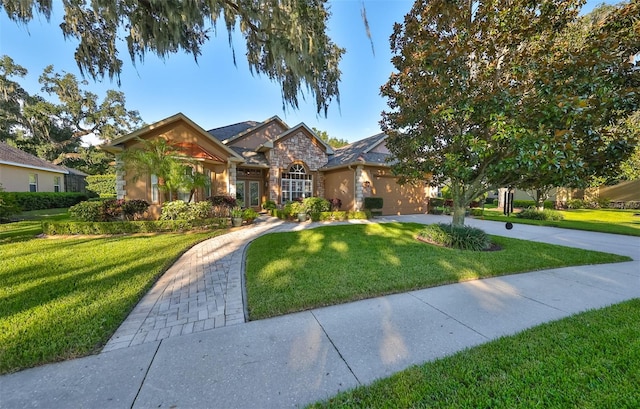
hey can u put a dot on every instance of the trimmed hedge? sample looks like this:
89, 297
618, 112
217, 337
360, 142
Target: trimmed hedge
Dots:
524, 204
92, 228
534, 214
373, 203
328, 216
44, 200
102, 185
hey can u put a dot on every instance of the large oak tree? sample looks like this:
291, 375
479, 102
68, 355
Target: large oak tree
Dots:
286, 39
490, 93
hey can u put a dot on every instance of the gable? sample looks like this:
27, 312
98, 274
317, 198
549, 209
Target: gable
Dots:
182, 132
270, 130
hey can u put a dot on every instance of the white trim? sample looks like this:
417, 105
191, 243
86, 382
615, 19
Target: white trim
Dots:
22, 165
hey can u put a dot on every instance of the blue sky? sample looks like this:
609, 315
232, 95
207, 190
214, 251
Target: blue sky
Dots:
216, 93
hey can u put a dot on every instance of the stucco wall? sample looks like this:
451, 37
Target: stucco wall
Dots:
260, 136
16, 179
397, 199
340, 184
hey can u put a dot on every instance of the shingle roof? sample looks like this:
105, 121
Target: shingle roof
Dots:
251, 157
14, 156
359, 152
226, 132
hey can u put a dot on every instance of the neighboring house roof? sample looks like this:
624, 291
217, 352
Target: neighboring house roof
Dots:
359, 153
16, 157
114, 148
227, 132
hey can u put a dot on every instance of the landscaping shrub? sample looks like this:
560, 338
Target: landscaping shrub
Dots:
8, 205
336, 204
47, 200
316, 205
102, 185
575, 204
524, 204
269, 205
344, 215
373, 203
477, 212
222, 204
436, 202
87, 211
457, 237
147, 226
249, 215
535, 214
176, 210
134, 209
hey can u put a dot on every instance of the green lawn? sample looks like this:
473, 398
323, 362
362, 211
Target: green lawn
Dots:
62, 298
590, 360
614, 221
295, 271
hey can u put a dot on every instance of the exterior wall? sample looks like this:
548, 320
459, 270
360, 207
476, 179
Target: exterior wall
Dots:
622, 192
298, 147
339, 184
16, 179
397, 199
131, 186
260, 136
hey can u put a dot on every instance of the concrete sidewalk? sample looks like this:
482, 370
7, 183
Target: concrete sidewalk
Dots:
293, 360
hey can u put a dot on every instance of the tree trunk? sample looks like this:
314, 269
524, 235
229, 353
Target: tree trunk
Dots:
540, 198
459, 209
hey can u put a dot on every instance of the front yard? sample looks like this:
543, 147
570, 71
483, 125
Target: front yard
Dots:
295, 271
62, 298
615, 221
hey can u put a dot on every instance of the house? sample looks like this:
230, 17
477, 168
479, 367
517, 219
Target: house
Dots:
269, 160
23, 172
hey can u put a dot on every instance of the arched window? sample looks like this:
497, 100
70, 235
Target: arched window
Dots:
296, 183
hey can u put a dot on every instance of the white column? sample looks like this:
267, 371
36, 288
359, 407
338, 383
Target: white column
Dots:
358, 188
121, 183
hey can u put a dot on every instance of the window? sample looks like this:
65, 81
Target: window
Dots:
33, 182
154, 189
296, 183
56, 183
207, 183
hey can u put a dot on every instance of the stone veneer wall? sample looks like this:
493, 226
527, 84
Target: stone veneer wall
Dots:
296, 148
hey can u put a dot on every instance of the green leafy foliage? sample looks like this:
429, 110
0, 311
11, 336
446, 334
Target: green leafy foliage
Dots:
316, 205
102, 185
535, 214
373, 203
457, 237
489, 94
143, 226
285, 40
249, 215
46, 200
269, 205
88, 211
8, 205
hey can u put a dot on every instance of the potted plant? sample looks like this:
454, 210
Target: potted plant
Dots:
249, 215
236, 216
299, 209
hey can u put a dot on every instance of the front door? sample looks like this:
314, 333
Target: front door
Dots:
248, 191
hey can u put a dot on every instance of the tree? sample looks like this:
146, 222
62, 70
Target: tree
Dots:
333, 142
54, 131
286, 39
159, 157
489, 93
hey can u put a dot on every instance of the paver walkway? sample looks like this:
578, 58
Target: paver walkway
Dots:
201, 291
